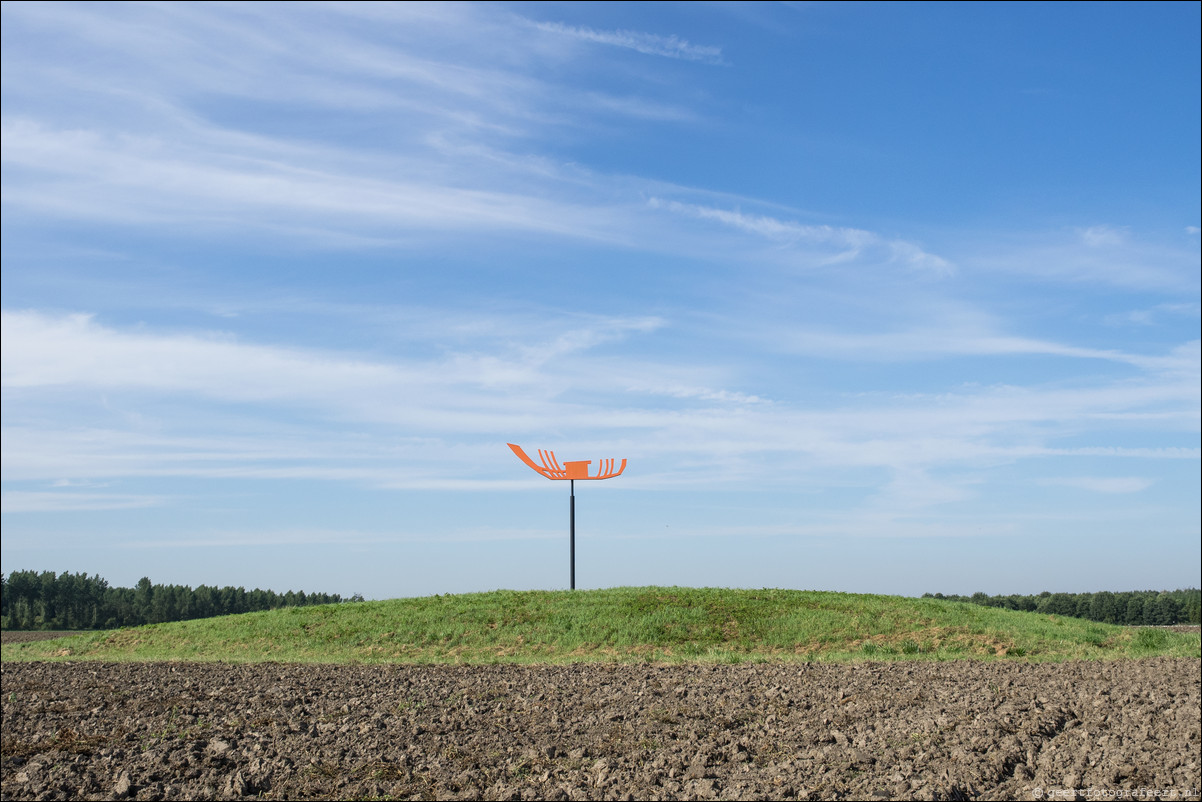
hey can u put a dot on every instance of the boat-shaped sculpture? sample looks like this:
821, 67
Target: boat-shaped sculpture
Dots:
552, 469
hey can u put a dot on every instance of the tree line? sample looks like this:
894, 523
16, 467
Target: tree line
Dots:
31, 600
1132, 607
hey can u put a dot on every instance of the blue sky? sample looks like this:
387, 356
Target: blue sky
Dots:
875, 298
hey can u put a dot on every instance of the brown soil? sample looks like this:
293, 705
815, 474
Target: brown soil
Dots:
25, 636
770, 731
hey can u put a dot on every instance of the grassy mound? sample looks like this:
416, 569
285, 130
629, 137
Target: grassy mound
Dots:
622, 625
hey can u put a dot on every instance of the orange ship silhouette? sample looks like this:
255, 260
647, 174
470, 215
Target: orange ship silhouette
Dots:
551, 468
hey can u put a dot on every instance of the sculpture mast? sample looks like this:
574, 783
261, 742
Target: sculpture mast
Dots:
571, 471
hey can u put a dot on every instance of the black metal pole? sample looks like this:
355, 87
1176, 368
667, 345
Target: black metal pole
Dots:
572, 520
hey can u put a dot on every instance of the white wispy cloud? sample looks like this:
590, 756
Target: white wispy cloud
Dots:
139, 149
1103, 236
41, 351
910, 326
142, 180
344, 538
402, 423
640, 107
1103, 255
450, 122
53, 501
44, 351
334, 59
935, 342
840, 243
649, 43
1151, 315
1103, 484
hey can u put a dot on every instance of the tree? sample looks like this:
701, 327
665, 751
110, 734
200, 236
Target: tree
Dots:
1103, 607
1057, 604
143, 596
1165, 610
1135, 610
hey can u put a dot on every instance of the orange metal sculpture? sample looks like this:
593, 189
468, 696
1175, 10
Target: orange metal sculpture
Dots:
572, 471
569, 470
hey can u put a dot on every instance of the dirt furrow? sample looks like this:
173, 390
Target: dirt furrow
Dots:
916, 730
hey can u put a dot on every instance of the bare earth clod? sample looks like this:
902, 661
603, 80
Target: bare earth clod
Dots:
910, 730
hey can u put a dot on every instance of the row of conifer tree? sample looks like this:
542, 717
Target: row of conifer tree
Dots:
44, 600
1132, 607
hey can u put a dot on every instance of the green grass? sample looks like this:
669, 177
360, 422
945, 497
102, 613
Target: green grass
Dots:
622, 625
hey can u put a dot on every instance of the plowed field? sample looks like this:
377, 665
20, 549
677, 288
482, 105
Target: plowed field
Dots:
907, 730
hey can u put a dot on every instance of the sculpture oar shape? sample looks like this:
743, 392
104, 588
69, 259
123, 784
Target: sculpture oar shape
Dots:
551, 468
